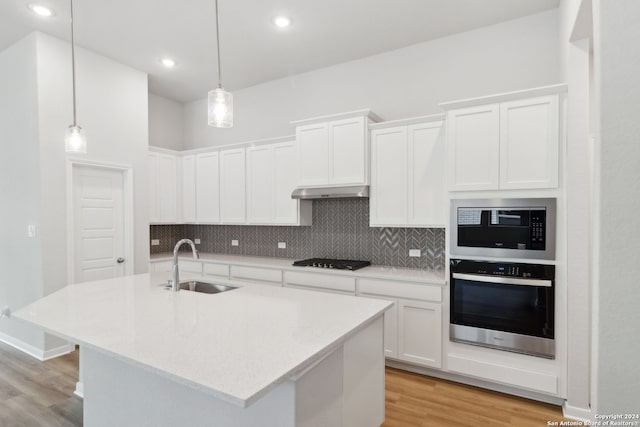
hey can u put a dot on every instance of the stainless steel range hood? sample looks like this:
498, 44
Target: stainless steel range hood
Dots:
311, 193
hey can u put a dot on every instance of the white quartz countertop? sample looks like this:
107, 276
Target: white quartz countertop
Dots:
236, 345
373, 271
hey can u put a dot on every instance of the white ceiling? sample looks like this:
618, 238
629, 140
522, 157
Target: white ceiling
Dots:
324, 32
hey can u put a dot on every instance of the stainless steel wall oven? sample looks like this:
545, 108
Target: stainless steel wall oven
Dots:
507, 306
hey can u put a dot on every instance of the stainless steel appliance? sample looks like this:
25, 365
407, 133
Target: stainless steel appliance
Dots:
338, 264
313, 193
504, 228
507, 306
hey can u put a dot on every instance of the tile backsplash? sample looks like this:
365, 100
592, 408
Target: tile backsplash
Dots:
340, 230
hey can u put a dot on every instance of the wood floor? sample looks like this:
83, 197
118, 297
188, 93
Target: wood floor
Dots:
37, 394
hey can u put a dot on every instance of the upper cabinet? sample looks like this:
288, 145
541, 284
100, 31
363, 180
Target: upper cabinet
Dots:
334, 150
407, 169
232, 186
163, 188
504, 142
207, 187
188, 172
272, 173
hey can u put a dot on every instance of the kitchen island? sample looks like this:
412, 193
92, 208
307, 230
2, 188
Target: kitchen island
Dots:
253, 356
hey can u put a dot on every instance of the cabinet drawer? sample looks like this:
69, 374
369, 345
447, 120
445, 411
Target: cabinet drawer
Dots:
160, 267
312, 288
324, 281
221, 270
190, 266
406, 290
254, 273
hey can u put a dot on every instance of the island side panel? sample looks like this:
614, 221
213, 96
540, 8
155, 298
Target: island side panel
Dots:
117, 393
363, 394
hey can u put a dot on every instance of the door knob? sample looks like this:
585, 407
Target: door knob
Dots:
120, 260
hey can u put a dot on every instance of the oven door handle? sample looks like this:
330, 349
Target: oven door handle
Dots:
503, 280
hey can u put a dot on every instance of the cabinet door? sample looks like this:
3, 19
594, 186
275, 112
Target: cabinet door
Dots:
313, 143
348, 154
232, 187
473, 146
189, 188
426, 157
388, 202
420, 333
529, 135
390, 326
154, 214
167, 179
286, 178
260, 185
207, 188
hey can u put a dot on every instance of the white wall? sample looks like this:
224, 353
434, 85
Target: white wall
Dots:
20, 256
617, 291
35, 110
407, 82
575, 65
165, 123
113, 110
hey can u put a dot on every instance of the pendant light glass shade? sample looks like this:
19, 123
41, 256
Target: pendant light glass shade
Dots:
220, 102
220, 108
75, 140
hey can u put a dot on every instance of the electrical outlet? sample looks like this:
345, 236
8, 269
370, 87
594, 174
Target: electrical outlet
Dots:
32, 231
155, 242
234, 243
196, 241
414, 253
282, 245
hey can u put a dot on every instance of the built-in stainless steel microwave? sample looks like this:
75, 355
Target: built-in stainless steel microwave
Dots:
505, 228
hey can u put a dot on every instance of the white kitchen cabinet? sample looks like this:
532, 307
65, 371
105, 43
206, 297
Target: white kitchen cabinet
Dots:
207, 188
163, 188
313, 142
420, 336
413, 326
390, 326
188, 182
272, 172
505, 142
529, 136
232, 186
334, 150
473, 143
348, 151
407, 184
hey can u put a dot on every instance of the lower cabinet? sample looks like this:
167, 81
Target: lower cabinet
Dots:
420, 336
413, 326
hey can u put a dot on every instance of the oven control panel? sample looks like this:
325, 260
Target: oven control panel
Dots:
508, 269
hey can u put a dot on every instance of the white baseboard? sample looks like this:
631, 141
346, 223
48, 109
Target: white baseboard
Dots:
576, 413
34, 351
79, 391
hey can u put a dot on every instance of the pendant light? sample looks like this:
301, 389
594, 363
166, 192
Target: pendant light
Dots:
74, 140
220, 102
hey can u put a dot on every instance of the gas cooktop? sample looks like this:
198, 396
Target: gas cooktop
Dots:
338, 264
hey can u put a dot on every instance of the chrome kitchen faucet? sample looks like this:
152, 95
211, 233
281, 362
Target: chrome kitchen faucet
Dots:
175, 281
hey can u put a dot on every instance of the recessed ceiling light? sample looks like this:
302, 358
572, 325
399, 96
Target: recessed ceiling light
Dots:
282, 21
168, 62
41, 10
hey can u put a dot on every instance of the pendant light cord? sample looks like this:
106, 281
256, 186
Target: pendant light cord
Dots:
218, 44
73, 66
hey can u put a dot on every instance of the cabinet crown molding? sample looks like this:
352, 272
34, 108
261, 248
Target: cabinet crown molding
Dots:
357, 113
503, 97
408, 121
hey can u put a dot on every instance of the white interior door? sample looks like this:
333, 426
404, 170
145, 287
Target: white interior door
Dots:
98, 224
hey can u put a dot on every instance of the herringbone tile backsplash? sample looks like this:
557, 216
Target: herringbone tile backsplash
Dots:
340, 230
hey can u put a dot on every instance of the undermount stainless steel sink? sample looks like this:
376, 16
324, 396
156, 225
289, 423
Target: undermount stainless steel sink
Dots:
203, 287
